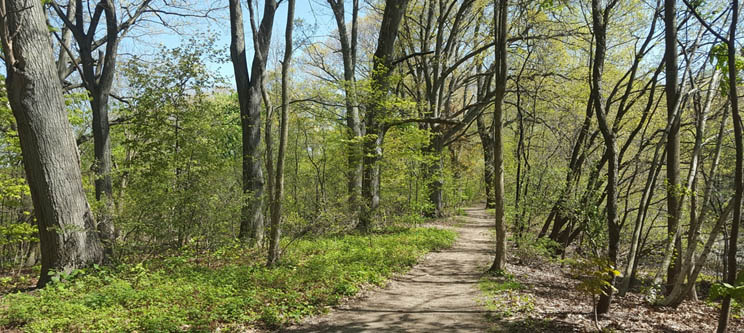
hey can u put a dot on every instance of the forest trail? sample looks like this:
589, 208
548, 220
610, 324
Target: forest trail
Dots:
439, 294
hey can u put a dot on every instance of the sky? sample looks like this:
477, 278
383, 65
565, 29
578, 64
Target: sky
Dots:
315, 15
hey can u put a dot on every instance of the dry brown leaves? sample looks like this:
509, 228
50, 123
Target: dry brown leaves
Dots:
559, 307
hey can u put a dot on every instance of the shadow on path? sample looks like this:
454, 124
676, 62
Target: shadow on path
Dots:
437, 295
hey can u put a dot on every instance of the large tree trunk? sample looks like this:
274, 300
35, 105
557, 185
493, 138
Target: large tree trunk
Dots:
67, 228
375, 129
276, 205
500, 16
249, 98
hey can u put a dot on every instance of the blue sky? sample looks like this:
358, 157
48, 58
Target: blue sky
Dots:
315, 14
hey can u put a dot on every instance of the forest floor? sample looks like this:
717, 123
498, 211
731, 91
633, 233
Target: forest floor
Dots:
443, 293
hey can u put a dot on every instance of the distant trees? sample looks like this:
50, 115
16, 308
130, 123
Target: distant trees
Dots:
67, 228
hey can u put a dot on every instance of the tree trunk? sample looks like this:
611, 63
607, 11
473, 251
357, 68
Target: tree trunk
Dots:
500, 16
672, 144
487, 145
67, 228
734, 97
249, 98
276, 205
679, 288
375, 130
349, 52
599, 25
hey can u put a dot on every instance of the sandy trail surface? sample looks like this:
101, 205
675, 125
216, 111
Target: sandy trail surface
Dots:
439, 294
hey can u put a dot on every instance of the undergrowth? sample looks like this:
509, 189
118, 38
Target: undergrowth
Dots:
229, 291
502, 297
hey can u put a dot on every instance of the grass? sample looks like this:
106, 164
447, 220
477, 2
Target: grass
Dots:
502, 296
229, 291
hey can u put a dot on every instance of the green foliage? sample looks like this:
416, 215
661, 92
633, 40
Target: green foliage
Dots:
179, 152
503, 298
535, 251
593, 272
719, 55
736, 291
226, 289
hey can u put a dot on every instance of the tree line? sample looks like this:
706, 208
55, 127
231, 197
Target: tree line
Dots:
560, 114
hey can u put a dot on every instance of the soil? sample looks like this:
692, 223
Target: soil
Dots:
439, 294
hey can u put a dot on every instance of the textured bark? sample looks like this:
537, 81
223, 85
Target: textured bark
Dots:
349, 54
67, 228
500, 17
276, 205
98, 77
249, 98
375, 131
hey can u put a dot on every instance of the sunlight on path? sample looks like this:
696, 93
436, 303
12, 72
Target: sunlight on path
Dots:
437, 295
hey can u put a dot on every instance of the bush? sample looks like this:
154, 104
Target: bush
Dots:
229, 292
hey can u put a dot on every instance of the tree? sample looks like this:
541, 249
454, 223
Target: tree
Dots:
599, 24
733, 94
382, 66
249, 97
672, 143
500, 30
278, 192
98, 77
349, 55
66, 225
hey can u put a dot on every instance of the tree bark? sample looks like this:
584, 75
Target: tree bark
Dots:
679, 288
500, 31
349, 52
486, 143
599, 27
276, 205
249, 97
672, 144
67, 228
375, 130
98, 78
738, 169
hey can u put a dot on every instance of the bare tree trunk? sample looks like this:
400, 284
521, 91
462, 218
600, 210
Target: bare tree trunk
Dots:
599, 25
739, 186
672, 144
500, 31
486, 143
65, 43
276, 205
67, 228
249, 97
375, 130
679, 288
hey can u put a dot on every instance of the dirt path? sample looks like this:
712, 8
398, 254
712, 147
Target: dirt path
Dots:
438, 295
